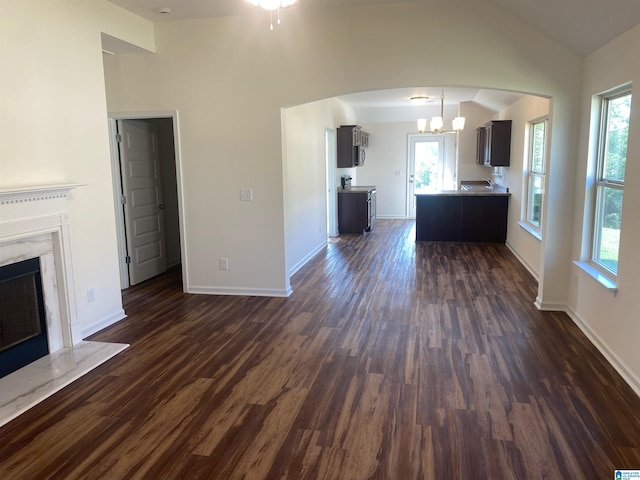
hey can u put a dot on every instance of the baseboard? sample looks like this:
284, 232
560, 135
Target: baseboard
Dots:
302, 262
523, 262
246, 292
616, 362
104, 323
550, 306
392, 217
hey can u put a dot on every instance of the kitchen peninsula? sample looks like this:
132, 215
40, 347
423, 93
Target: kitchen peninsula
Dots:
477, 212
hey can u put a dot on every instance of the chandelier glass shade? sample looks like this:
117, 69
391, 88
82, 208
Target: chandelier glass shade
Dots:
436, 125
273, 4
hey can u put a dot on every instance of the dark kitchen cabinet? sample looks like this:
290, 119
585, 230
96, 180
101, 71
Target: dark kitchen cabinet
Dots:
356, 210
352, 141
481, 135
484, 219
462, 218
493, 147
438, 218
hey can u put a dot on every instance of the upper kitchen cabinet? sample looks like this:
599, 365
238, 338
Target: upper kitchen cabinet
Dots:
352, 141
481, 134
494, 144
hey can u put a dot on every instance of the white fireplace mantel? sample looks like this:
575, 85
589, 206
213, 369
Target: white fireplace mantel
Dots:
10, 195
34, 222
25, 203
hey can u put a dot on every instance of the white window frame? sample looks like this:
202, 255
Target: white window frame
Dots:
532, 174
601, 182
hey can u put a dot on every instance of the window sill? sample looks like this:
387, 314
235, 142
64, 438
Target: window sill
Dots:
604, 280
528, 228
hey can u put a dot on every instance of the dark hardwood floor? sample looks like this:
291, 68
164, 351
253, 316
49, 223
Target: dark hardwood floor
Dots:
391, 360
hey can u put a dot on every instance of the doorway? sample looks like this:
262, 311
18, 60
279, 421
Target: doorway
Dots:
330, 154
426, 167
145, 166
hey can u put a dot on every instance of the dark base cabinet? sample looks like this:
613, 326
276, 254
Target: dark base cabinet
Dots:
438, 218
462, 218
484, 219
356, 211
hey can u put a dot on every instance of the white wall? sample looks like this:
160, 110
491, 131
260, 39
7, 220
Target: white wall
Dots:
305, 175
386, 167
612, 321
526, 246
53, 128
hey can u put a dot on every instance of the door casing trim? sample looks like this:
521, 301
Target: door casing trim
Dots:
117, 187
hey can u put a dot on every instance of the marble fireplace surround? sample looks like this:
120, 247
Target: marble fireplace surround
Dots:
34, 222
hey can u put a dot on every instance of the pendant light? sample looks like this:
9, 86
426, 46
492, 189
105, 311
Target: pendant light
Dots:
436, 124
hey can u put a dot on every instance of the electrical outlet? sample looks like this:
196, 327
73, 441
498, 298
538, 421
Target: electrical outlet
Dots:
224, 264
246, 194
91, 294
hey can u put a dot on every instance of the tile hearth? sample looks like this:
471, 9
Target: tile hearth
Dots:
32, 384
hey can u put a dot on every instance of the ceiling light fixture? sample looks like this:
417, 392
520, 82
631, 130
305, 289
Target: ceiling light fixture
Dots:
437, 123
272, 5
420, 100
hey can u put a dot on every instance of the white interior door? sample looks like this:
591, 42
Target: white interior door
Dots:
143, 208
426, 167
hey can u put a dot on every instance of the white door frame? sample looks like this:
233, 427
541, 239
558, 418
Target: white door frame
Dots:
414, 138
117, 188
330, 190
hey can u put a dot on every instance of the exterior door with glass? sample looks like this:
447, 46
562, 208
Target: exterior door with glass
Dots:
426, 167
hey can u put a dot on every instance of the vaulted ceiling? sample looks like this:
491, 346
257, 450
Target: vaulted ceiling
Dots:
582, 26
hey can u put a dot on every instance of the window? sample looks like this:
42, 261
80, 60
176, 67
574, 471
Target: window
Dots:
611, 162
535, 173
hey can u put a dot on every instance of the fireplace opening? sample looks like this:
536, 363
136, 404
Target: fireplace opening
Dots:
23, 326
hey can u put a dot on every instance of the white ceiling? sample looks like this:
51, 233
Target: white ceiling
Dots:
186, 9
395, 104
582, 26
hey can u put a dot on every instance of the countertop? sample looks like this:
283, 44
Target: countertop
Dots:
472, 189
357, 189
490, 192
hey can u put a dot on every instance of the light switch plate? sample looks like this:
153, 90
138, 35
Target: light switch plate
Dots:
246, 194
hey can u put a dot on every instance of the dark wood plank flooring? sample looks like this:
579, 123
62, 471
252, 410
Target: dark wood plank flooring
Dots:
391, 360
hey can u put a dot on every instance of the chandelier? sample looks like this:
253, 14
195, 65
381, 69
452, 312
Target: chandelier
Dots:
272, 5
437, 123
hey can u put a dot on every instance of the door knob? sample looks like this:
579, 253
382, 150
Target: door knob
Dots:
161, 206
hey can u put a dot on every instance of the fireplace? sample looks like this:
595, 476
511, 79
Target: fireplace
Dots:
23, 326
35, 225
35, 236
